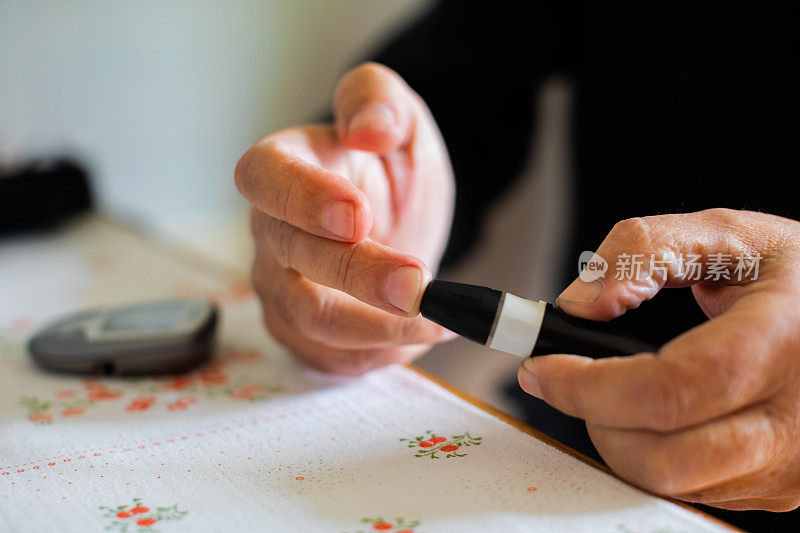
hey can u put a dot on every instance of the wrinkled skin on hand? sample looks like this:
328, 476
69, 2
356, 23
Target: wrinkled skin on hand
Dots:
713, 417
348, 220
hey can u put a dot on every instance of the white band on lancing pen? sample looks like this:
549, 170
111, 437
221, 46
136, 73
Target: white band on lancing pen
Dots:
517, 325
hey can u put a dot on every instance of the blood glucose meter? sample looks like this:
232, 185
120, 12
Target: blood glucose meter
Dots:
136, 339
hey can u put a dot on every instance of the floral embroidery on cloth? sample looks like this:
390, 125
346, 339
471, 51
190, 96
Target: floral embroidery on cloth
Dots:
398, 525
173, 393
430, 444
138, 517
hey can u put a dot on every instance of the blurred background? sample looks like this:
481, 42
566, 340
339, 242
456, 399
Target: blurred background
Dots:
158, 100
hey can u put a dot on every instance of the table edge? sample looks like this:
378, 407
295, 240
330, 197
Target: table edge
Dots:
535, 433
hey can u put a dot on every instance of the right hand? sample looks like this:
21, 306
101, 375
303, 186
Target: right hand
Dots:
347, 219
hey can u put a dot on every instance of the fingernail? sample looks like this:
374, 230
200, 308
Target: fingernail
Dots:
373, 117
341, 220
403, 287
581, 292
527, 380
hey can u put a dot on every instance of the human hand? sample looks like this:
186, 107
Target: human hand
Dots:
714, 416
347, 218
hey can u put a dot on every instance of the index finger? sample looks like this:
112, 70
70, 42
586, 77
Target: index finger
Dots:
374, 273
274, 177
711, 370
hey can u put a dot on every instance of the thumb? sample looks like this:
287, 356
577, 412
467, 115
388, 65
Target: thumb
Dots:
374, 109
643, 255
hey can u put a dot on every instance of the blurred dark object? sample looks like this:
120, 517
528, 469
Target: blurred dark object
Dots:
42, 194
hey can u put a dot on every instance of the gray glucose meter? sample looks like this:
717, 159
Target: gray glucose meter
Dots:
137, 339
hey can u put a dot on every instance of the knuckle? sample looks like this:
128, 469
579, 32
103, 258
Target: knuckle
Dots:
405, 330
316, 317
357, 362
668, 402
256, 168
632, 230
275, 324
336, 361
622, 297
781, 433
282, 197
281, 238
282, 305
721, 214
319, 357
658, 471
734, 224
343, 268
266, 278
309, 309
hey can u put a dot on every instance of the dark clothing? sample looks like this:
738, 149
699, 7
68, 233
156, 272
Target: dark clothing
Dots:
675, 111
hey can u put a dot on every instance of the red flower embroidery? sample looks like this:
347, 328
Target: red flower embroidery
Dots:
98, 392
103, 395
41, 418
213, 376
144, 516
403, 526
211, 381
141, 403
433, 444
182, 403
179, 383
247, 392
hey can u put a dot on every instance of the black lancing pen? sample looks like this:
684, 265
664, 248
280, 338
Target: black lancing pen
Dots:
519, 326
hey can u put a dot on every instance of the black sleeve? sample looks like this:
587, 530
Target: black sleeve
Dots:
475, 70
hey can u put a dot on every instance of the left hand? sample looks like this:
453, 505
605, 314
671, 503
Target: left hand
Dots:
714, 416
348, 220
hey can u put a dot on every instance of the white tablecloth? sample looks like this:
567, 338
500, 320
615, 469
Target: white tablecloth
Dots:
253, 441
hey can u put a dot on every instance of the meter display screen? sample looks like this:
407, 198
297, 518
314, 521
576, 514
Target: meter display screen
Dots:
155, 318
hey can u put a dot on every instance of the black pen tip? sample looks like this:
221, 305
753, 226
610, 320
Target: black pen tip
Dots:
468, 310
